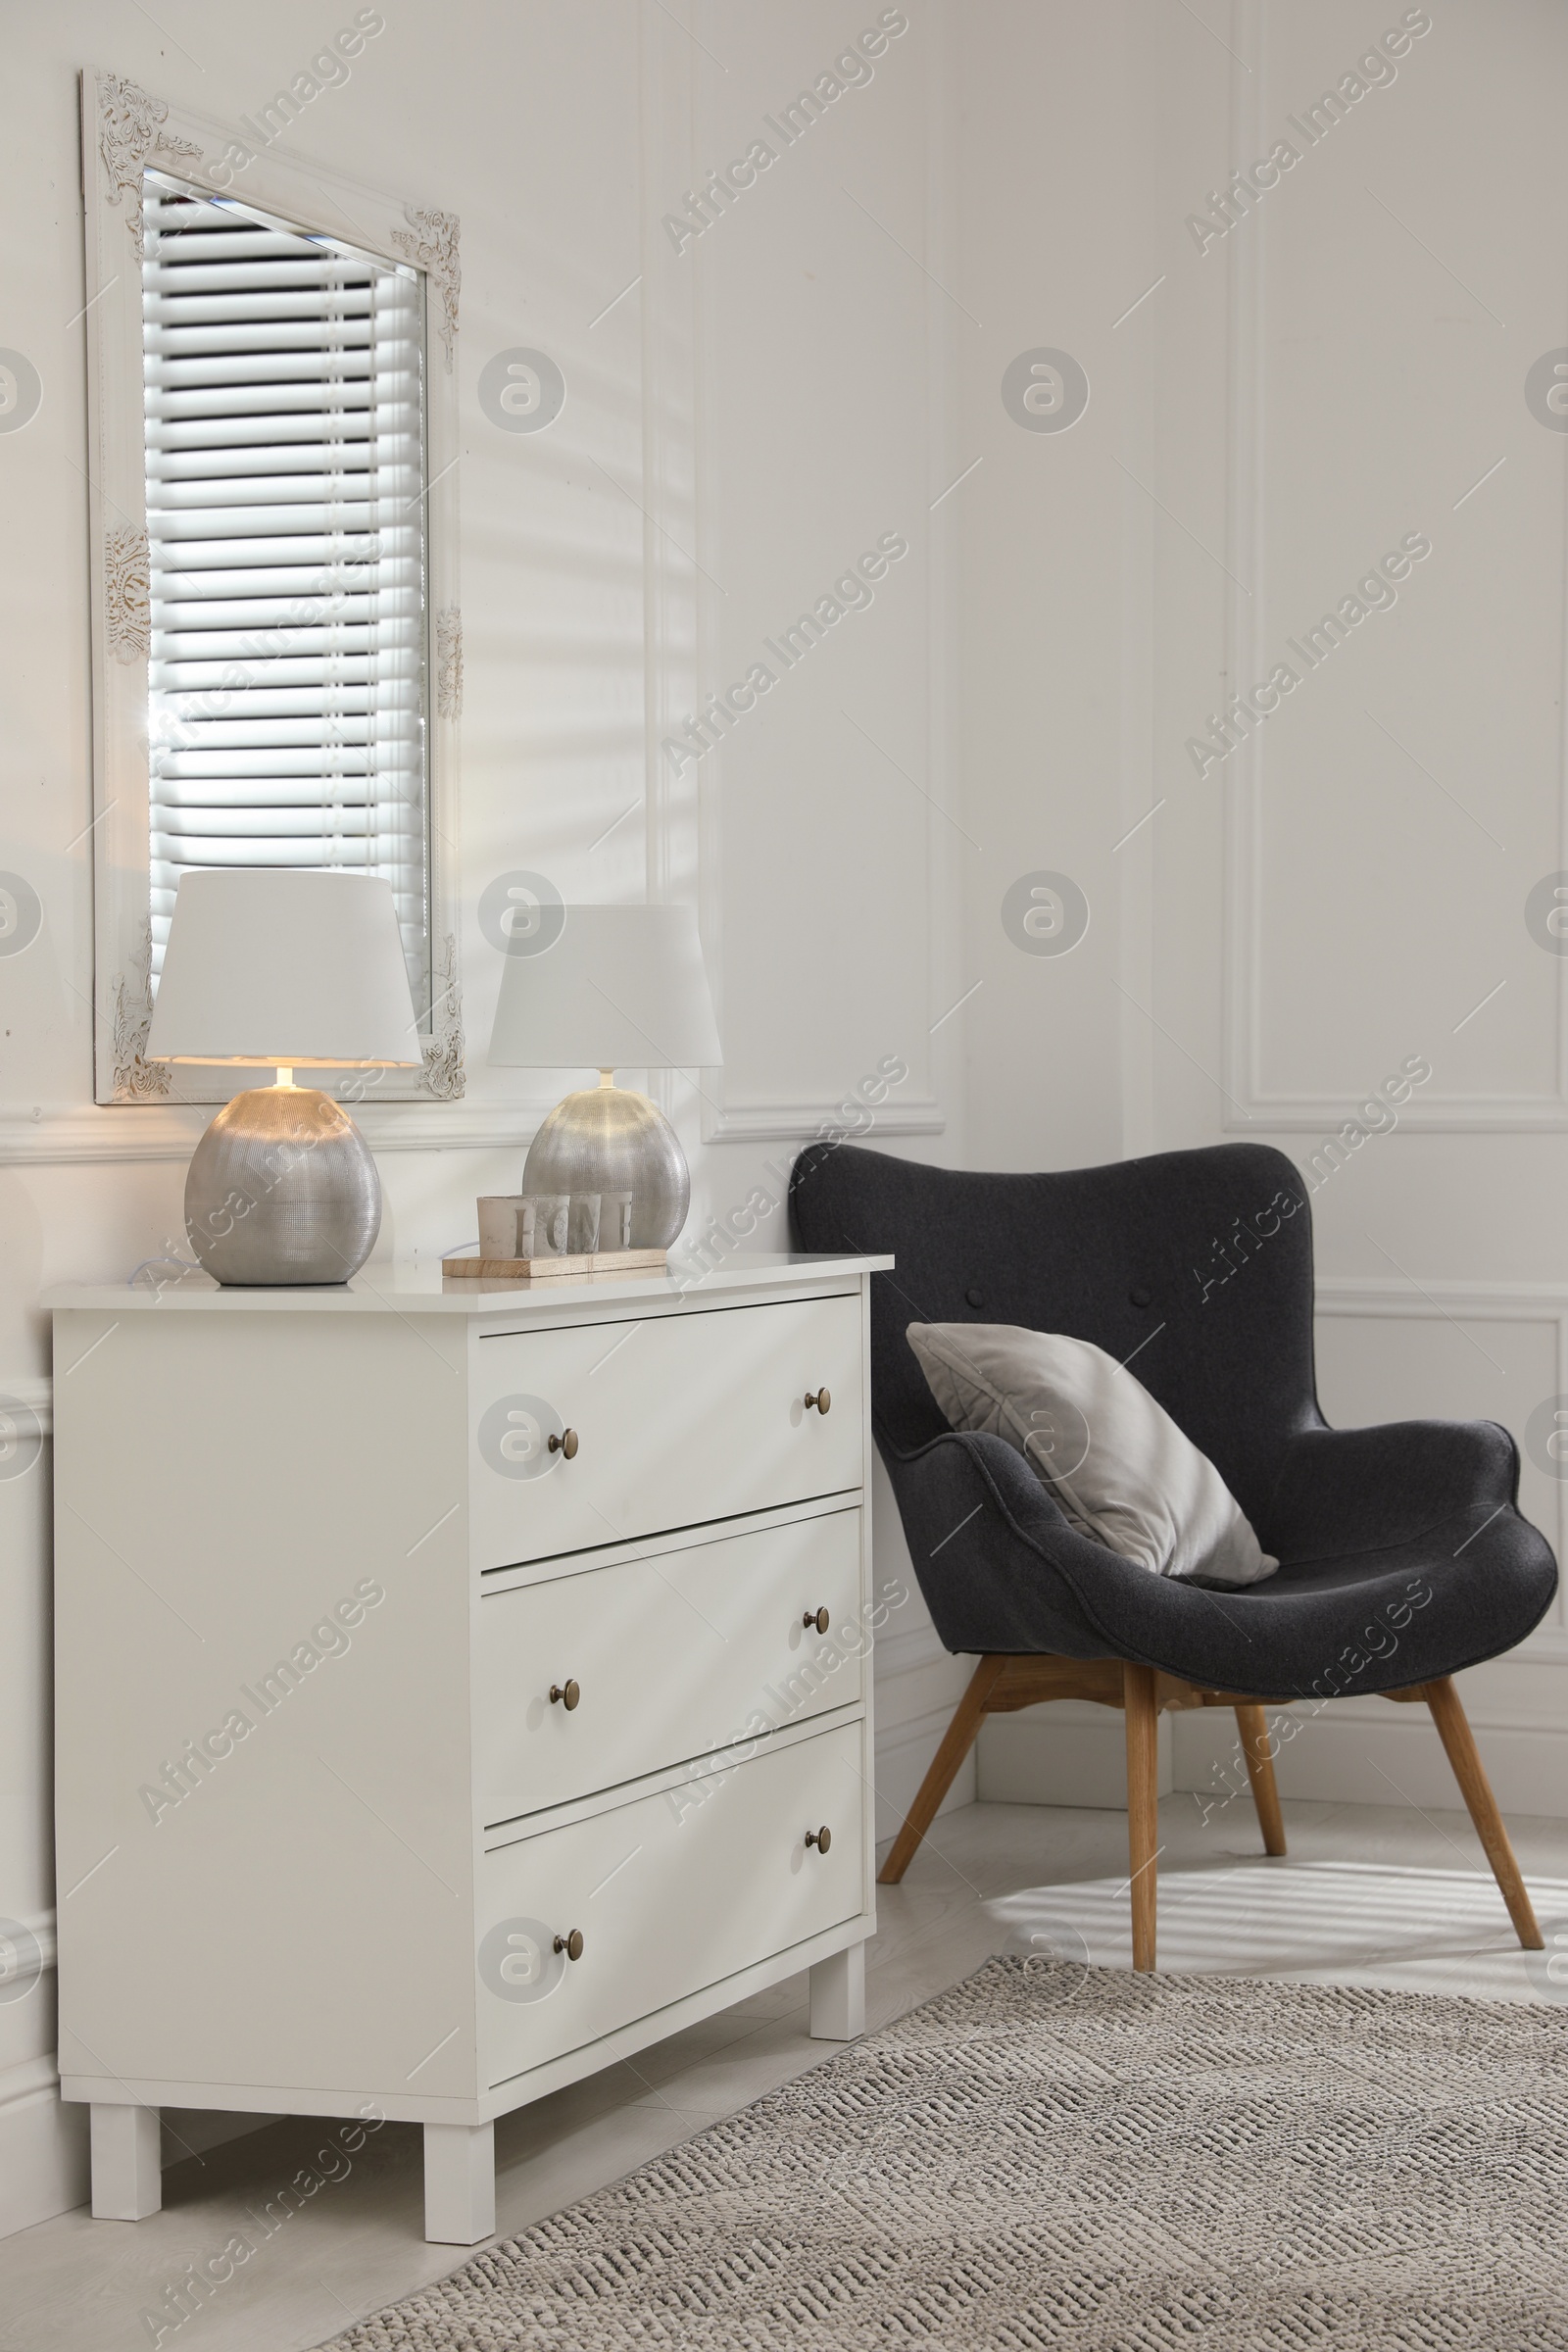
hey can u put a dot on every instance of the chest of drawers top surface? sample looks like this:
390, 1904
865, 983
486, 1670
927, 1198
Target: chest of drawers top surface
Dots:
404, 1290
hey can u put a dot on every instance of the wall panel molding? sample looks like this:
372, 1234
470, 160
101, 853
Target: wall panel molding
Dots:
40, 1925
799, 1122
1250, 1108
37, 1393
1369, 1298
767, 1118
108, 1133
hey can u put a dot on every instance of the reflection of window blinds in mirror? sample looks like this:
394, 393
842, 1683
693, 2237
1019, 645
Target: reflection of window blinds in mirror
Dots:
285, 526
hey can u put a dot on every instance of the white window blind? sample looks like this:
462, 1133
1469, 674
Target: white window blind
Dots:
285, 523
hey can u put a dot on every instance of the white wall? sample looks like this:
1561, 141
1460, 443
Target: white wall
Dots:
826, 824
1338, 893
1053, 237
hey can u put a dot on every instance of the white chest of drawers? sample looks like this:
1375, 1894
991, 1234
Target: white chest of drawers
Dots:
452, 1687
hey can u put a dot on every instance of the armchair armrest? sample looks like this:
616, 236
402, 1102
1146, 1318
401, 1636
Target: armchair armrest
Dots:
1342, 1491
996, 1558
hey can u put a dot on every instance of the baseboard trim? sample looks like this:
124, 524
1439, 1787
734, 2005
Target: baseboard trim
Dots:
1362, 1752
906, 1651
1068, 1753
44, 2166
43, 2147
903, 1759
1350, 1752
27, 2078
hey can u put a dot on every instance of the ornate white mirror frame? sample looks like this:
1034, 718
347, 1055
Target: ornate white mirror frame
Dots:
126, 131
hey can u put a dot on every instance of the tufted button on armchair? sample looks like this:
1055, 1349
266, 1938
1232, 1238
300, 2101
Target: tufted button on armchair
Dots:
1402, 1557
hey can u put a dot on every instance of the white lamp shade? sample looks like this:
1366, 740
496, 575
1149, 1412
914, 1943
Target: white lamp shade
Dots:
299, 970
621, 987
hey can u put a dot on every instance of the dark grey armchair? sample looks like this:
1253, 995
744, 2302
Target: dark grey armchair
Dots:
1403, 1559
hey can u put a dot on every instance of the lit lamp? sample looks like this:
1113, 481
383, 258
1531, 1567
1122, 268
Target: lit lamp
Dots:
298, 970
614, 985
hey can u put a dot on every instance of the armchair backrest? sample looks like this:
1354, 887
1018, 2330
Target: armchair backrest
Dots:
1194, 1268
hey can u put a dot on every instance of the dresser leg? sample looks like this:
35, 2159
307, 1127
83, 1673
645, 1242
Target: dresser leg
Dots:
127, 2182
838, 1997
460, 2183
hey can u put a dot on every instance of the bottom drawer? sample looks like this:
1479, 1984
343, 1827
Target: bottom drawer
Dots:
668, 1893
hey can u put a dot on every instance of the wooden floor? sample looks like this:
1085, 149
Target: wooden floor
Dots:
1366, 1895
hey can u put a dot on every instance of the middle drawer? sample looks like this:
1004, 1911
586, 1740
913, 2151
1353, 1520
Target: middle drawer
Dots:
670, 1655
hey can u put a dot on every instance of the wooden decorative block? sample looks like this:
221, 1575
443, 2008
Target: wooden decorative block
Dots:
555, 1269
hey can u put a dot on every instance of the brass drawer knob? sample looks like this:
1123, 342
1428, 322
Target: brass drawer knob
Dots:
821, 1839
817, 1617
570, 1944
823, 1401
564, 1695
565, 1444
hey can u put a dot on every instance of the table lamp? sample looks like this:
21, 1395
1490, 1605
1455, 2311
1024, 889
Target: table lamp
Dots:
616, 986
301, 970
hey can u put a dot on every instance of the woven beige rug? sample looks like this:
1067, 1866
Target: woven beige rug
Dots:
1049, 2156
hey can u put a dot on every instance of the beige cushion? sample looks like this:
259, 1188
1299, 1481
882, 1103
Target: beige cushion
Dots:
1116, 1461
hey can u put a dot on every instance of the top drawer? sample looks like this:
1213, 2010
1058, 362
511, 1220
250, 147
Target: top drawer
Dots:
679, 1419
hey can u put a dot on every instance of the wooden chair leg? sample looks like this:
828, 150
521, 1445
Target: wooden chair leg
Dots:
1139, 1686
1453, 1729
956, 1742
1250, 1722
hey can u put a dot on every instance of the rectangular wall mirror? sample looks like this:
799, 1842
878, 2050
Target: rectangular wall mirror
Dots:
277, 654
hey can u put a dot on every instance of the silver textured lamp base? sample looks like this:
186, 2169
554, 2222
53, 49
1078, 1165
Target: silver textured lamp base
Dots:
282, 1189
607, 1138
